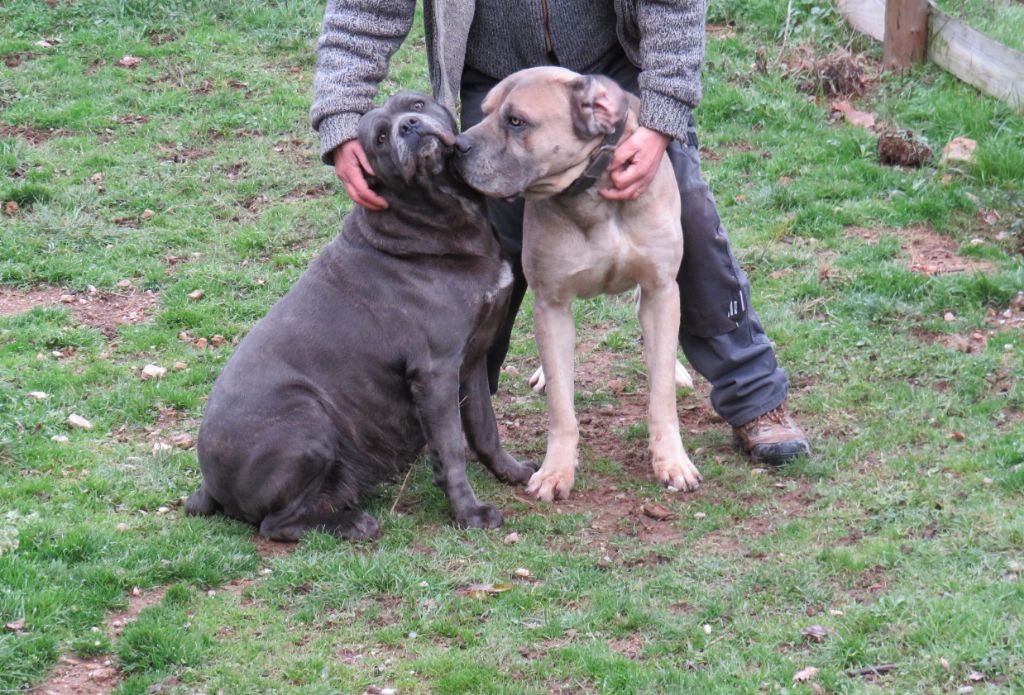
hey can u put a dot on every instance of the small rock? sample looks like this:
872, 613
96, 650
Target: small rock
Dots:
136, 591
707, 629
758, 471
38, 395
195, 295
511, 539
183, 441
161, 448
79, 422
180, 365
162, 510
265, 571
522, 572
944, 663
60, 439
152, 371
699, 515
122, 526
147, 214
949, 317
201, 343
130, 62
67, 298
124, 284
511, 370
959, 150
218, 340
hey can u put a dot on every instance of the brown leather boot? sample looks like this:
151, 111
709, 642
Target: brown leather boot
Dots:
773, 438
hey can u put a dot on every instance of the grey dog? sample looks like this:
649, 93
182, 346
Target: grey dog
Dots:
375, 352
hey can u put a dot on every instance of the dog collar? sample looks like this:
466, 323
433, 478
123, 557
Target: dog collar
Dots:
599, 160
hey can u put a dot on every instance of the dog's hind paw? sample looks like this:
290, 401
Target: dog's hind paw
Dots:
199, 503
481, 516
538, 382
683, 378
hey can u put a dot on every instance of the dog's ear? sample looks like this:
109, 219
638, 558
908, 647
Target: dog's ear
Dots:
598, 104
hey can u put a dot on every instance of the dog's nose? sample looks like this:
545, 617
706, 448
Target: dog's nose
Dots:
409, 124
463, 144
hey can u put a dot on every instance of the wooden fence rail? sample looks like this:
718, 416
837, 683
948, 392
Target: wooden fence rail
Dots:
978, 60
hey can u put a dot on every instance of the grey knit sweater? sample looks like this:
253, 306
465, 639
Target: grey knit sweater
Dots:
664, 38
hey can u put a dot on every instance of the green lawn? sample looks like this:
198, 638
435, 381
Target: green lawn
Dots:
132, 188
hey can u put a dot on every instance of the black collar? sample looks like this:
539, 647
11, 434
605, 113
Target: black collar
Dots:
600, 158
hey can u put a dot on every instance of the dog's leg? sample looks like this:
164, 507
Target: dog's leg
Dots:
482, 431
659, 320
683, 379
556, 342
201, 503
435, 392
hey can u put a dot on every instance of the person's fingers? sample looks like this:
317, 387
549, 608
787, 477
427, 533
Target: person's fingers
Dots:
361, 158
623, 153
631, 193
365, 196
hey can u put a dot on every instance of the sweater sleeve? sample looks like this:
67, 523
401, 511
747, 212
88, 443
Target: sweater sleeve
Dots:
671, 52
357, 41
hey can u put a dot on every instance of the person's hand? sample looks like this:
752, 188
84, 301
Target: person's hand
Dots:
635, 163
352, 166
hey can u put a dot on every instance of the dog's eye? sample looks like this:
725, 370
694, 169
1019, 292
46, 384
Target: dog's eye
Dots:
382, 138
418, 106
515, 121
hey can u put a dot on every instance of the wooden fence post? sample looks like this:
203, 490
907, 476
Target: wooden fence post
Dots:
906, 33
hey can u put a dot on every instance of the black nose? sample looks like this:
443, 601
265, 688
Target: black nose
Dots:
463, 144
408, 125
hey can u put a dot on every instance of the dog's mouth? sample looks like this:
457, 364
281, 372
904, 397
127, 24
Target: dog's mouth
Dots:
428, 153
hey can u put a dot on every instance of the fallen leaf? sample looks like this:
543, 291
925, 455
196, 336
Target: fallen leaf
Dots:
218, 340
976, 676
146, 214
852, 115
79, 422
195, 294
483, 590
38, 395
944, 663
11, 208
16, 626
522, 572
152, 371
183, 441
958, 436
816, 633
959, 149
657, 512
805, 674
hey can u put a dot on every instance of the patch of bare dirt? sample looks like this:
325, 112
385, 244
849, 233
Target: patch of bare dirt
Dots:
309, 192
31, 135
13, 60
101, 674
296, 150
611, 509
103, 310
930, 253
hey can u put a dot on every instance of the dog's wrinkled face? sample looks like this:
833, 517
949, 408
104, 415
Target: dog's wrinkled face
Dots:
408, 137
539, 123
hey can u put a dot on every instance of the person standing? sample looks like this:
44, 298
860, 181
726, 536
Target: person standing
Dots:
653, 49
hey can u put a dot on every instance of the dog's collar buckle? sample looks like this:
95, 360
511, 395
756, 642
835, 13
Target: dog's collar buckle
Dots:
600, 158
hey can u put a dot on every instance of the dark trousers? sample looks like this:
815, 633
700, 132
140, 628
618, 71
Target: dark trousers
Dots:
720, 332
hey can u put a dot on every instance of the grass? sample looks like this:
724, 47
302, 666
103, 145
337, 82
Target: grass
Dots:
1003, 20
903, 536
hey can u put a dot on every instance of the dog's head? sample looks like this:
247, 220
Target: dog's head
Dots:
540, 126
408, 138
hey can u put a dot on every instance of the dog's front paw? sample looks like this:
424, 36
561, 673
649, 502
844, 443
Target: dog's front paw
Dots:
679, 473
480, 516
551, 485
517, 472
